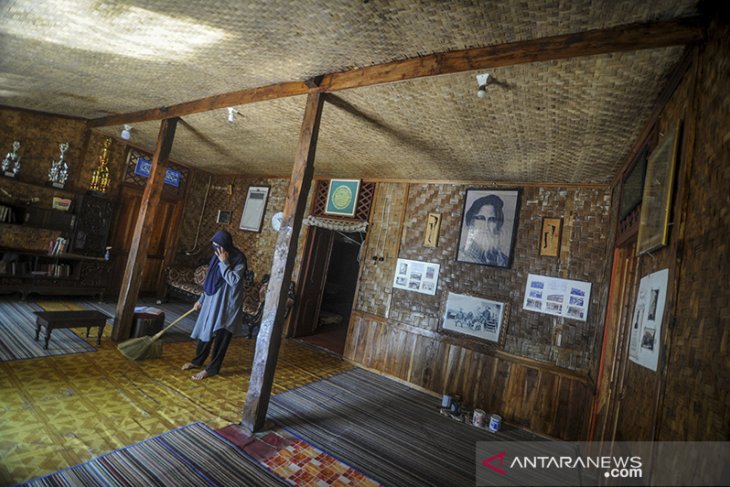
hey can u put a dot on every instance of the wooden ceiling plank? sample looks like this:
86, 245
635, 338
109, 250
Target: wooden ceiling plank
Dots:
631, 37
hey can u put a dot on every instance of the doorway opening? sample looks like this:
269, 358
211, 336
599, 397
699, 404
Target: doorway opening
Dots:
328, 283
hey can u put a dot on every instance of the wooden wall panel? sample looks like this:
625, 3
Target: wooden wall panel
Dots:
544, 401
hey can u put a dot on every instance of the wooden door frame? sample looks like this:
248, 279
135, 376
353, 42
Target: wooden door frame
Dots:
307, 263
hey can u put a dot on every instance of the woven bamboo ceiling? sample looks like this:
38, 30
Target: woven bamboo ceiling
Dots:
569, 120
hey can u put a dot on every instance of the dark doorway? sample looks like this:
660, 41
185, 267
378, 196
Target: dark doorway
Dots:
329, 280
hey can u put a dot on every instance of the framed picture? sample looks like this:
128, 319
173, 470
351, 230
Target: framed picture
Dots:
488, 227
550, 237
416, 276
477, 317
433, 224
632, 185
223, 217
342, 197
254, 208
657, 197
558, 297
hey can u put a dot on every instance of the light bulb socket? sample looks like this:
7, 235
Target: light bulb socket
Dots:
482, 91
126, 132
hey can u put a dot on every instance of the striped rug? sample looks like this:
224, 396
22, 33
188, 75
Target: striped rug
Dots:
389, 431
192, 455
17, 334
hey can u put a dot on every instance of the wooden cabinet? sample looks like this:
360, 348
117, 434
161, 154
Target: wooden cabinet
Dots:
28, 272
161, 249
31, 259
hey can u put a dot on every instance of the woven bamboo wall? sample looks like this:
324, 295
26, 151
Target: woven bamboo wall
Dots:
697, 396
566, 343
229, 194
376, 276
687, 398
637, 416
40, 136
529, 381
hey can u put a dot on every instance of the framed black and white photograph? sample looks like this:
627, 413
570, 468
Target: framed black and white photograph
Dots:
477, 317
488, 227
253, 210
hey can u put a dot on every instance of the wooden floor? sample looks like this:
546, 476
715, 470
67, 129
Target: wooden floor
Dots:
63, 410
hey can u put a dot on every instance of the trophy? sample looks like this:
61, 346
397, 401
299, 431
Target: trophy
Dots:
12, 159
58, 174
100, 178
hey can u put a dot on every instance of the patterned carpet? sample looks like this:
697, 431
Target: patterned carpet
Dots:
17, 334
389, 431
64, 410
193, 455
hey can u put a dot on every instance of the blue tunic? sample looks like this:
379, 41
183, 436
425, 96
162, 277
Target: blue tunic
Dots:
224, 308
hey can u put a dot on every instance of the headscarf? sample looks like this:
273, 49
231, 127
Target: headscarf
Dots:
214, 279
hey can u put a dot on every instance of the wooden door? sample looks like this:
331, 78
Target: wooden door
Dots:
312, 281
161, 246
624, 283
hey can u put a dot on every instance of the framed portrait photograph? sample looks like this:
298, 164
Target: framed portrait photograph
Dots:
254, 208
477, 317
342, 197
657, 197
488, 227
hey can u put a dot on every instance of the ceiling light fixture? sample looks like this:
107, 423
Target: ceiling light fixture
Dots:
231, 114
482, 81
127, 132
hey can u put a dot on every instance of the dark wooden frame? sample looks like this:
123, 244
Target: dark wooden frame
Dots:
514, 220
656, 202
502, 334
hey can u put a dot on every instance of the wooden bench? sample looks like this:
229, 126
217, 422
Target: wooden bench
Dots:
69, 319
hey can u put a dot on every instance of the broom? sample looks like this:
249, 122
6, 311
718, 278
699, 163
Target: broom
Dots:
147, 346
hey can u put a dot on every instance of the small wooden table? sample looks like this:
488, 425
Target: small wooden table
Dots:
69, 319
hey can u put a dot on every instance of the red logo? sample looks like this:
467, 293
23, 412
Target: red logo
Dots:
488, 462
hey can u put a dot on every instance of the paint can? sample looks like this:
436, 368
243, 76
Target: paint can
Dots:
446, 401
479, 418
494, 423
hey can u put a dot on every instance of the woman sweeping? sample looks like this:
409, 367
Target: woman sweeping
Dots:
220, 305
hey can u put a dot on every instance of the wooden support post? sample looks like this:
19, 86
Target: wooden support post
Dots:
141, 239
269, 338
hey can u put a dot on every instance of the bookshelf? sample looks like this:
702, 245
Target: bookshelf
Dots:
74, 242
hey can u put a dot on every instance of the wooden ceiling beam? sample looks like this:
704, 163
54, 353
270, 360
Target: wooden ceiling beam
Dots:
622, 38
630, 37
242, 97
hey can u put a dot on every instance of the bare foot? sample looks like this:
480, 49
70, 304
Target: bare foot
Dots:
189, 366
201, 375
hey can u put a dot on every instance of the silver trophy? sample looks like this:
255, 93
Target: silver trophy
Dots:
12, 159
58, 174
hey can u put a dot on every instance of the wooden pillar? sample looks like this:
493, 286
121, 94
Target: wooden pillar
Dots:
138, 251
269, 338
